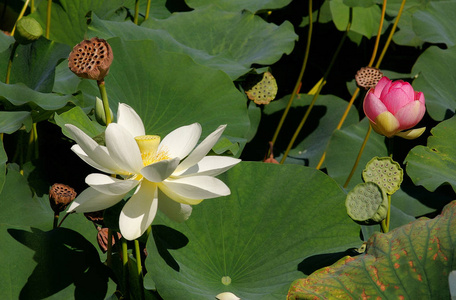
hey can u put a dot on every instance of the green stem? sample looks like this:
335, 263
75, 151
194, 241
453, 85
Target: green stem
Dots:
109, 250
147, 10
21, 14
355, 165
32, 6
104, 98
323, 82
139, 267
383, 226
48, 18
388, 214
135, 20
56, 220
125, 267
390, 36
298, 82
10, 62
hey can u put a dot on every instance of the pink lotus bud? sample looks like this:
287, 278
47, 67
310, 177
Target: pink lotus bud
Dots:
393, 107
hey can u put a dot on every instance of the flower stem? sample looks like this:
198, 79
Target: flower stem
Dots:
104, 98
109, 250
56, 220
125, 267
298, 82
147, 10
323, 82
139, 267
48, 19
355, 94
10, 62
135, 20
355, 165
32, 6
21, 14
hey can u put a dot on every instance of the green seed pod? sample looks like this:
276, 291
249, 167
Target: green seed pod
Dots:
264, 91
385, 172
27, 30
367, 203
100, 115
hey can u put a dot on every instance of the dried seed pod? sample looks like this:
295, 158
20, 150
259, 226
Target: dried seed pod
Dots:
367, 77
264, 91
385, 172
96, 217
102, 238
60, 195
27, 30
91, 59
367, 203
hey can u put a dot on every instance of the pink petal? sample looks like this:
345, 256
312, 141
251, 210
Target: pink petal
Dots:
373, 106
420, 97
396, 99
381, 85
409, 115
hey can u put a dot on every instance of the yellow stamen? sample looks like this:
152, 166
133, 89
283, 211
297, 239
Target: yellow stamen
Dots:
148, 146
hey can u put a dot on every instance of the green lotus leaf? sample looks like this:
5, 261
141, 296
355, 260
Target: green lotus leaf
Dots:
410, 262
435, 79
316, 133
238, 5
435, 164
254, 242
10, 121
166, 98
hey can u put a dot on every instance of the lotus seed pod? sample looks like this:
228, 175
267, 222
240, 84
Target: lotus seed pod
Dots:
27, 30
91, 59
100, 114
264, 91
385, 172
368, 77
367, 203
60, 195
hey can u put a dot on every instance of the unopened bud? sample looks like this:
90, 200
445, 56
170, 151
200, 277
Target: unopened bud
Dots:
60, 196
91, 59
100, 114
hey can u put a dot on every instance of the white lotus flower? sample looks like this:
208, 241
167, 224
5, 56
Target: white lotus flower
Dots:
164, 179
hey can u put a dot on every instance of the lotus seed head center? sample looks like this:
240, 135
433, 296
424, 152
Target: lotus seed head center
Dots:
148, 146
226, 280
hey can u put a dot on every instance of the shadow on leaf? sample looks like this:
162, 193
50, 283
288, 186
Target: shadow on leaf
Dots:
64, 257
315, 262
168, 238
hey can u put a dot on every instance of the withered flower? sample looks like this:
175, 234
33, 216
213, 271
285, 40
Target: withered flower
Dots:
60, 196
96, 217
91, 59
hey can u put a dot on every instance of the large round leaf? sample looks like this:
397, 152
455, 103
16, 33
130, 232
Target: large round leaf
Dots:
315, 135
435, 164
169, 90
344, 147
238, 5
254, 242
411, 262
240, 37
436, 79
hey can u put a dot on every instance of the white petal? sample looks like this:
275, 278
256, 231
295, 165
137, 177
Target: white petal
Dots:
176, 197
91, 200
110, 185
139, 212
161, 170
177, 212
123, 148
197, 187
82, 155
181, 141
203, 148
130, 120
94, 151
211, 165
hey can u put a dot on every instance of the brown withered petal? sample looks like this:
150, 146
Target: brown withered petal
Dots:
96, 217
60, 195
91, 59
102, 238
368, 77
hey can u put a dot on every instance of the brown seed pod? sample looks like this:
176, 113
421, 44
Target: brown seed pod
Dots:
102, 238
60, 195
91, 59
96, 217
367, 77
